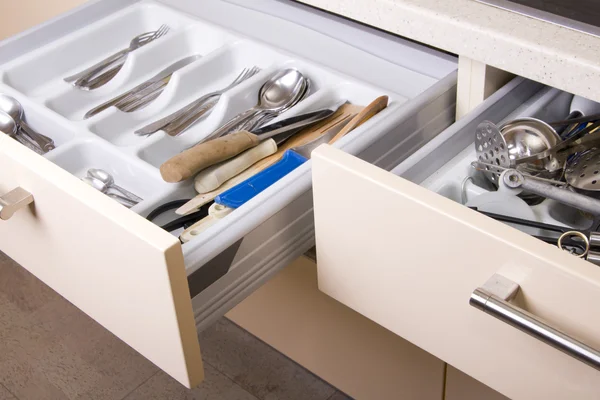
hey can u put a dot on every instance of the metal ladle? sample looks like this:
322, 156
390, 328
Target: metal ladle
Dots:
280, 92
109, 182
12, 107
9, 127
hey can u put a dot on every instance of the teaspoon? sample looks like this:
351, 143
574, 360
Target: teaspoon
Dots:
280, 92
109, 182
12, 107
9, 127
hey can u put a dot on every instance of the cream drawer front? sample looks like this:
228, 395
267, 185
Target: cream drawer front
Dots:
410, 259
114, 265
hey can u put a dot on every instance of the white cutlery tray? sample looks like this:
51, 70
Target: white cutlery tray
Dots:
107, 140
449, 179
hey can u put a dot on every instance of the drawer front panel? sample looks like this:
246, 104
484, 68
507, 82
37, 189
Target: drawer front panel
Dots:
115, 266
409, 259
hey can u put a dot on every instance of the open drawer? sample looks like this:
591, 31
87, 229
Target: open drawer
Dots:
131, 276
401, 249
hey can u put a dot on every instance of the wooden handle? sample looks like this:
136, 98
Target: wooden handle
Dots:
298, 139
188, 163
367, 113
213, 177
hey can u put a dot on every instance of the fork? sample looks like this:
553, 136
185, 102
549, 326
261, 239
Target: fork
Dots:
81, 79
180, 120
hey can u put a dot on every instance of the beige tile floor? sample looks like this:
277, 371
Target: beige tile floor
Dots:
51, 350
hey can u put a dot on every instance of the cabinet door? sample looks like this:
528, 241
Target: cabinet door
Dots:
410, 260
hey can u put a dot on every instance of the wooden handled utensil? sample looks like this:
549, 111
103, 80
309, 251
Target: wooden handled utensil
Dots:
195, 159
298, 139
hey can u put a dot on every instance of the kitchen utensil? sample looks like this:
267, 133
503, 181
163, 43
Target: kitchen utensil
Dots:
178, 223
12, 107
82, 78
581, 141
280, 92
527, 136
213, 177
583, 170
367, 113
105, 77
505, 204
156, 83
109, 181
216, 212
184, 165
292, 159
580, 107
179, 121
99, 186
8, 126
491, 148
305, 136
514, 179
542, 227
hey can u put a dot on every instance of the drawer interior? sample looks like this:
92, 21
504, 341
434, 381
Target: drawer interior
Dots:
453, 176
214, 31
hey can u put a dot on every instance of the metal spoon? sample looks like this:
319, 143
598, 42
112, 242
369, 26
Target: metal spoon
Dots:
9, 127
106, 179
12, 107
280, 92
99, 186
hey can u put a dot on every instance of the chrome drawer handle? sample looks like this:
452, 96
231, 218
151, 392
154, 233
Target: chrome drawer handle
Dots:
494, 305
13, 201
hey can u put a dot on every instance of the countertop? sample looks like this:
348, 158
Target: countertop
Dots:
538, 50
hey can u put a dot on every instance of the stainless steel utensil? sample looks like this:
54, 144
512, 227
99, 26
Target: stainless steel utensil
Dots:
180, 120
12, 107
513, 179
83, 78
280, 92
491, 148
102, 188
9, 127
109, 183
152, 86
583, 170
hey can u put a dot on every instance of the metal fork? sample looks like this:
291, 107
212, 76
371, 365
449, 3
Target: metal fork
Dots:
81, 79
180, 120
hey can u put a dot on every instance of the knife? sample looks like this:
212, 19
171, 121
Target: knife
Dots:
292, 159
153, 82
193, 160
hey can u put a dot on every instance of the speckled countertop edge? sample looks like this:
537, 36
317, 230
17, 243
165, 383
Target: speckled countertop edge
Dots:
538, 50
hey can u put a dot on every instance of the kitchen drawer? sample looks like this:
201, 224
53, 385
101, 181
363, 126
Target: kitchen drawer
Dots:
400, 248
134, 278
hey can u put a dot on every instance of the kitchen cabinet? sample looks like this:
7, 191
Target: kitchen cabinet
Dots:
347, 350
132, 277
460, 386
400, 249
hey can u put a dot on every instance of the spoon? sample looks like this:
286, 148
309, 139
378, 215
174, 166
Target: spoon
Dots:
280, 92
12, 107
99, 186
9, 127
108, 181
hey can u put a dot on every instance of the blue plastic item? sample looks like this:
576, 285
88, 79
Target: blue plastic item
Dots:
241, 193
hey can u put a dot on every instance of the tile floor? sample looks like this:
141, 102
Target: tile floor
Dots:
51, 350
